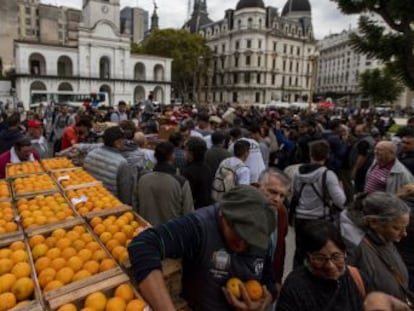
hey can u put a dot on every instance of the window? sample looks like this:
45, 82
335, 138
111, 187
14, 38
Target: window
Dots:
257, 97
284, 65
258, 78
249, 43
284, 48
29, 32
247, 77
290, 81
247, 60
239, 24
298, 51
283, 81
235, 97
259, 44
250, 23
223, 62
237, 45
223, 48
297, 67
290, 66
274, 63
235, 78
259, 61
291, 49
274, 46
296, 82
215, 49
28, 10
273, 79
28, 21
236, 61
260, 23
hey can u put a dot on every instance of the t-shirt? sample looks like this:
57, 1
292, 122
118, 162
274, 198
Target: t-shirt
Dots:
69, 137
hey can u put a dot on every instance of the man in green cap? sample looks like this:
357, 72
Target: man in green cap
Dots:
216, 243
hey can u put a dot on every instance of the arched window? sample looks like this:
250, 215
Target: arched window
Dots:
65, 86
159, 94
239, 24
159, 73
104, 68
260, 23
107, 90
250, 23
139, 72
37, 64
139, 94
64, 65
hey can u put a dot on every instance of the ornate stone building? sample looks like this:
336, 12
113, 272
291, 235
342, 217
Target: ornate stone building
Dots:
259, 54
100, 62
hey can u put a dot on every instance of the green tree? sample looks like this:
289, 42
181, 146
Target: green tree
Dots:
189, 52
380, 86
396, 47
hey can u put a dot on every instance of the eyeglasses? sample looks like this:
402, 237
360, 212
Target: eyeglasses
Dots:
321, 260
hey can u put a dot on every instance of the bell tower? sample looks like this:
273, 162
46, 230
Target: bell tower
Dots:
96, 10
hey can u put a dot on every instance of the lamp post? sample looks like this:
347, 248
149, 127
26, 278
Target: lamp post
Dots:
314, 63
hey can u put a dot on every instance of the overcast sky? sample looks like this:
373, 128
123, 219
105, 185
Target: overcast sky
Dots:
173, 13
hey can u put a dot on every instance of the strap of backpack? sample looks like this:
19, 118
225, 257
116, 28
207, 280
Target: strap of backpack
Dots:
356, 276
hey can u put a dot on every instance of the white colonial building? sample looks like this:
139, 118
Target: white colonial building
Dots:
259, 54
101, 62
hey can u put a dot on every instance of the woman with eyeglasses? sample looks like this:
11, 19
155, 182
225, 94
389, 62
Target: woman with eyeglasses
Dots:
370, 228
325, 282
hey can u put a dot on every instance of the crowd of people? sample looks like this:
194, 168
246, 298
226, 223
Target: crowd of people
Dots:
223, 186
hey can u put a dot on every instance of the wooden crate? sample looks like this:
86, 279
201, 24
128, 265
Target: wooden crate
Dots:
77, 285
108, 212
77, 186
9, 165
37, 303
33, 193
76, 220
16, 235
9, 197
47, 168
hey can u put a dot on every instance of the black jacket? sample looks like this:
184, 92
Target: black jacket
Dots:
200, 179
8, 138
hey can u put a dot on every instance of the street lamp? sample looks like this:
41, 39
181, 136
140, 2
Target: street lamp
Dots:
314, 63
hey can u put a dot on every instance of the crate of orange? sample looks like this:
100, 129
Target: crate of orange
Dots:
112, 294
68, 258
9, 226
14, 170
5, 193
18, 285
116, 232
32, 185
45, 210
69, 179
95, 200
54, 164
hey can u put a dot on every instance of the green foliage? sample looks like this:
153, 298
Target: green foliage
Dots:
380, 85
393, 45
189, 52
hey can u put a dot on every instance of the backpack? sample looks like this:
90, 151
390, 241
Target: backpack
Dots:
281, 158
225, 180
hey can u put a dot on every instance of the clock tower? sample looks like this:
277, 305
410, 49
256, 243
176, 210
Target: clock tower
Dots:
96, 10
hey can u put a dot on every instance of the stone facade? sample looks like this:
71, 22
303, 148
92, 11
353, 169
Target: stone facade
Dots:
101, 62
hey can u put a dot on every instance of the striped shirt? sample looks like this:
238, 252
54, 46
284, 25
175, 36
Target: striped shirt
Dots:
377, 177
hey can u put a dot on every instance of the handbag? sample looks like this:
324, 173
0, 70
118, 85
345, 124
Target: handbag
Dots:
396, 274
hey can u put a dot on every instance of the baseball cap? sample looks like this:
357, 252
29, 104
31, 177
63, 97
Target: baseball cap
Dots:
251, 215
34, 124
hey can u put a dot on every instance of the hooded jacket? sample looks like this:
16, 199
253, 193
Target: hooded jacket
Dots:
310, 205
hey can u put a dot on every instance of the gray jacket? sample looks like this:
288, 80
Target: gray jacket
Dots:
310, 205
109, 166
399, 176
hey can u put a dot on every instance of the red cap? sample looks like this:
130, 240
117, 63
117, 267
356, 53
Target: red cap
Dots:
34, 124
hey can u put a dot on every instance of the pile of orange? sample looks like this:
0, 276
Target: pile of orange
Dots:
7, 224
56, 164
42, 210
67, 256
24, 168
33, 184
116, 233
123, 299
98, 199
75, 177
16, 284
4, 190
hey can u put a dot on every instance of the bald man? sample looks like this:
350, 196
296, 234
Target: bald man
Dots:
387, 173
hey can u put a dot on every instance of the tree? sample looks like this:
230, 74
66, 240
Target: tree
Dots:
189, 52
394, 45
380, 86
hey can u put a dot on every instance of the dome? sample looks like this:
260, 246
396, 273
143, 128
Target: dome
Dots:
296, 6
243, 4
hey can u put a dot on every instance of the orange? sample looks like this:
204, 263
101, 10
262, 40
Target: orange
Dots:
6, 282
68, 253
72, 235
21, 269
19, 245
99, 255
63, 243
136, 305
39, 250
85, 255
58, 263
107, 264
95, 221
117, 252
105, 237
233, 286
93, 246
121, 237
111, 244
124, 257
87, 237
125, 292
23, 288
80, 275
8, 301
64, 275
91, 266
53, 285
51, 242
53, 253
59, 233
46, 276
5, 253
99, 229
96, 301
79, 229
68, 307
128, 230
36, 239
115, 304
6, 265
254, 289
42, 263
11, 227
113, 229
75, 263
19, 256
78, 245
